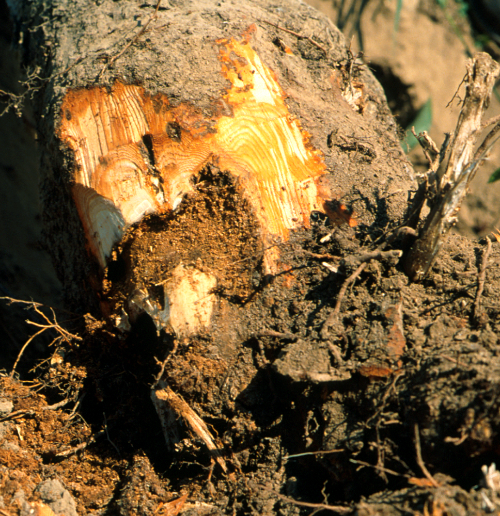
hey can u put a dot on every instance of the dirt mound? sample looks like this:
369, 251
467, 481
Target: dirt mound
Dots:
392, 409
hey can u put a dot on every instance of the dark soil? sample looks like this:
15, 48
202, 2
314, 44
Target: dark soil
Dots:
323, 420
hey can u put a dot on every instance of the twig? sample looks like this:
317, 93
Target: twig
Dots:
319, 452
427, 144
380, 468
56, 406
457, 90
131, 42
20, 354
420, 461
490, 121
297, 35
377, 254
485, 147
64, 334
11, 300
340, 509
74, 449
16, 101
330, 321
109, 438
317, 256
481, 277
18, 413
79, 447
278, 334
30, 412
75, 408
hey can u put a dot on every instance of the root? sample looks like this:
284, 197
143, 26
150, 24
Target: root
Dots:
51, 325
339, 509
420, 461
363, 260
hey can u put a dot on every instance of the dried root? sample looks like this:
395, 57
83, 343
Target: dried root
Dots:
445, 189
51, 325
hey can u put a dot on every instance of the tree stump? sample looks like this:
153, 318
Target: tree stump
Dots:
137, 120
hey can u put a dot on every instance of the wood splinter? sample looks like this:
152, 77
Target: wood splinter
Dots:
170, 407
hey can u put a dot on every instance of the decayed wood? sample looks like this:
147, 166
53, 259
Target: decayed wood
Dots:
136, 155
449, 189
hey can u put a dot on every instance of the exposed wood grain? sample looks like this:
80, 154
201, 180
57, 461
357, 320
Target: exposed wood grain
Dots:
136, 154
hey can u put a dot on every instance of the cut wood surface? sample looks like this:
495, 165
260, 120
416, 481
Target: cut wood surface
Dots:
292, 139
140, 156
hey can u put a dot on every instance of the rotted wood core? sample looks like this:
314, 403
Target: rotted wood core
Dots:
180, 266
136, 154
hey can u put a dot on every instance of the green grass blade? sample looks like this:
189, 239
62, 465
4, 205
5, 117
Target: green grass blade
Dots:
495, 176
422, 122
397, 16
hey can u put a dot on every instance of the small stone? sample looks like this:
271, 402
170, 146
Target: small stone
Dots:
6, 407
460, 335
53, 493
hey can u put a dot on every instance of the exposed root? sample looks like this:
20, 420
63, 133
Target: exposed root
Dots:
362, 259
339, 509
63, 334
277, 334
420, 461
379, 468
332, 318
170, 407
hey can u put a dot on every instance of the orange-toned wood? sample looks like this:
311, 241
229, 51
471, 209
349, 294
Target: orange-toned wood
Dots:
135, 154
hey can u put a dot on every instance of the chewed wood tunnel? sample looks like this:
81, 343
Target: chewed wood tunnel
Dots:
137, 155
